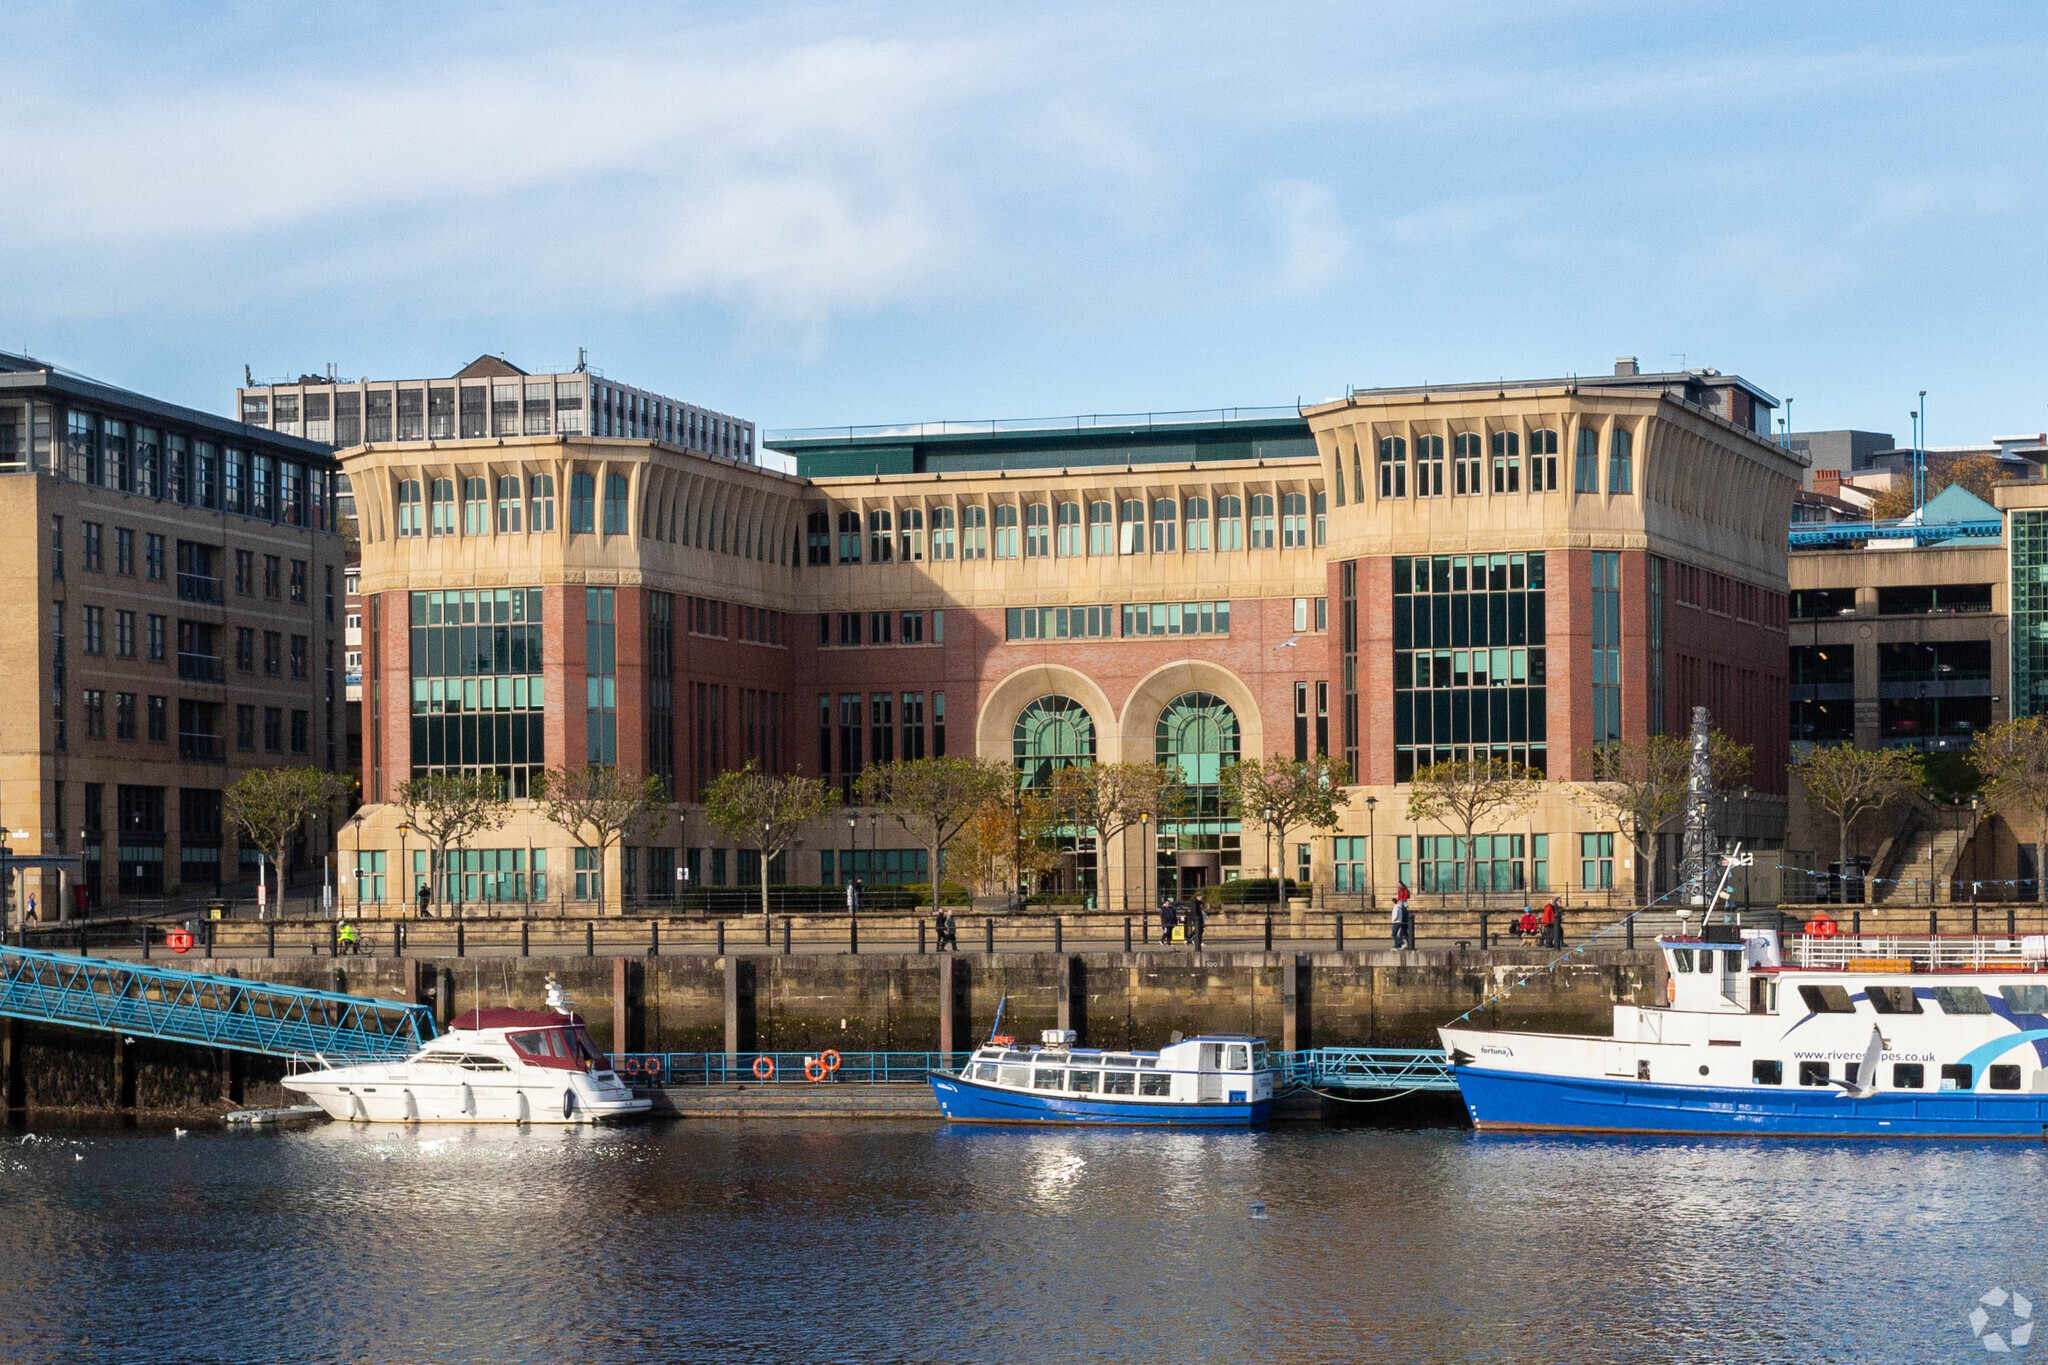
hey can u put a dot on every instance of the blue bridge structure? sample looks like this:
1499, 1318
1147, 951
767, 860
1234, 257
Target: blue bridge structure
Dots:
206, 1010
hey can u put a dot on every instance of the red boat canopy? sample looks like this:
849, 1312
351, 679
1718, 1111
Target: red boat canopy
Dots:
500, 1018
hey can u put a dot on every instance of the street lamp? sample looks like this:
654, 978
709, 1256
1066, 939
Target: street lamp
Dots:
1372, 899
852, 833
1017, 843
1272, 867
1144, 847
404, 867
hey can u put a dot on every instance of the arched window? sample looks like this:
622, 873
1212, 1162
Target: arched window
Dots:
1429, 466
615, 523
441, 516
1006, 530
1037, 531
1101, 529
1507, 462
1620, 462
911, 522
1262, 521
1051, 733
818, 538
974, 532
582, 504
1165, 522
1197, 733
1229, 522
1070, 542
408, 502
509, 504
476, 508
1543, 461
942, 533
1196, 541
1133, 518
540, 492
1465, 463
1393, 467
881, 536
849, 537
1294, 521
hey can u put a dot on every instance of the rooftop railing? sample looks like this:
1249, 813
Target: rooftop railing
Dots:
1104, 421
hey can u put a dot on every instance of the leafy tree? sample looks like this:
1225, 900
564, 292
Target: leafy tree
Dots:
1849, 783
997, 846
2013, 757
765, 812
1290, 793
1464, 793
449, 808
933, 799
603, 803
270, 805
1109, 798
1974, 472
1640, 785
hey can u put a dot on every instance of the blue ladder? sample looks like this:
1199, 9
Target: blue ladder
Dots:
207, 1010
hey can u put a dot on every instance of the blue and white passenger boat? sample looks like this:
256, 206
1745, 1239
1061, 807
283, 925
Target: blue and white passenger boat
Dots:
1216, 1080
1839, 1036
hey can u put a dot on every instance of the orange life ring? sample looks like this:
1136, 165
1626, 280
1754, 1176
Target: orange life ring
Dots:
179, 940
1001, 1039
764, 1068
830, 1059
814, 1070
1820, 926
1670, 990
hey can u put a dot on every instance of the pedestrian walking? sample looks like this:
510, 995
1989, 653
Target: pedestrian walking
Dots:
426, 894
1168, 917
1198, 922
1553, 930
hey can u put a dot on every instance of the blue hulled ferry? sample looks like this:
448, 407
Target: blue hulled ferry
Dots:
1848, 1036
1216, 1080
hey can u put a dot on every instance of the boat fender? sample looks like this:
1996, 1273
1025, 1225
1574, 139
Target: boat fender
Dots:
412, 1108
1670, 990
830, 1059
568, 1104
764, 1068
468, 1100
525, 1109
1820, 926
814, 1070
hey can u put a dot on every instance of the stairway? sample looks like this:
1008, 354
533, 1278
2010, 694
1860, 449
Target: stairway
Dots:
1910, 871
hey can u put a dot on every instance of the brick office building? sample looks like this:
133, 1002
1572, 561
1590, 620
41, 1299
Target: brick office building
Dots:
1027, 592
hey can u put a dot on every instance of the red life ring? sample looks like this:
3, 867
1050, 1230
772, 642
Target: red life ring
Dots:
1670, 990
1820, 926
179, 940
814, 1070
764, 1068
1001, 1039
830, 1059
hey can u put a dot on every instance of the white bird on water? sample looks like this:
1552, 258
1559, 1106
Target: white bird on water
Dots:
178, 1132
78, 1156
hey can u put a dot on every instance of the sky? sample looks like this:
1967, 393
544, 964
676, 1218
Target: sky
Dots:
813, 215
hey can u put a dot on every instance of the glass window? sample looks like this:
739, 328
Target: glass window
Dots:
1543, 461
1813, 1073
1198, 733
1958, 1077
1037, 531
1586, 464
1294, 521
974, 532
1229, 522
1165, 521
1826, 1000
910, 522
1393, 464
1006, 530
616, 522
1132, 520
476, 508
881, 536
408, 504
1892, 999
1101, 529
540, 489
942, 533
1070, 541
1262, 521
2002, 1076
1196, 541
1048, 1078
1909, 1075
1507, 462
509, 504
1465, 464
1051, 733
582, 504
1429, 466
1620, 462
2025, 999
441, 514
1767, 1073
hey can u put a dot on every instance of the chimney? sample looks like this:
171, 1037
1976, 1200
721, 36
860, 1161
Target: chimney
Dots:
1828, 481
1625, 364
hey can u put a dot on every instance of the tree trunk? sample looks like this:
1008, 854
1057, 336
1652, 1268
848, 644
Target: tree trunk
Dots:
937, 880
764, 889
277, 865
1842, 860
2040, 882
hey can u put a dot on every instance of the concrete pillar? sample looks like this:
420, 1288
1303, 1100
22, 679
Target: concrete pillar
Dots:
444, 992
17, 1081
621, 1018
125, 1062
948, 999
739, 1007
1065, 974
1293, 1037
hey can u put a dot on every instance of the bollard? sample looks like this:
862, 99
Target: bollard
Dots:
590, 938
145, 943
2010, 928
1484, 923
208, 926
787, 932
853, 937
1629, 930
1059, 935
334, 940
1127, 933
721, 938
397, 940
1269, 933
654, 938
271, 929
1933, 923
988, 933
1856, 922
1340, 933
83, 950
767, 930
920, 938
460, 944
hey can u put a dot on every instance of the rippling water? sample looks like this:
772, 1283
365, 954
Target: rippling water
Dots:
884, 1242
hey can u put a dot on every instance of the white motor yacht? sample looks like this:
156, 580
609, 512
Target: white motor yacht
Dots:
492, 1066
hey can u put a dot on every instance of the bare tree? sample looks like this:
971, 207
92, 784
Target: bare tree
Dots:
1108, 798
934, 798
1464, 793
765, 812
449, 808
2013, 757
598, 807
1640, 785
1849, 783
271, 804
1290, 793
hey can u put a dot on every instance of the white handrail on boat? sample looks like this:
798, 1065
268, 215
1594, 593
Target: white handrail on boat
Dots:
2027, 952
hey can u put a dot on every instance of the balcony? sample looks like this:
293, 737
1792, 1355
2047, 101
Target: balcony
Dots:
202, 748
194, 587
201, 668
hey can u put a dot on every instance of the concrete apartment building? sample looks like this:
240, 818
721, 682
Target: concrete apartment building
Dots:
173, 585
1518, 568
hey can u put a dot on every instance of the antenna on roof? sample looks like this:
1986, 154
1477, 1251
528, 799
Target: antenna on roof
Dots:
248, 379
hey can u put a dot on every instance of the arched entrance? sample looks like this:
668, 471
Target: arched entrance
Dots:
1198, 733
1052, 733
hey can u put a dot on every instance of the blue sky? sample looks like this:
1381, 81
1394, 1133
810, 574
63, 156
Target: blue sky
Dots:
818, 214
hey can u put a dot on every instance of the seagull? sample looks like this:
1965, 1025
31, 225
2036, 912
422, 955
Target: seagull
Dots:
178, 1132
78, 1156
1289, 643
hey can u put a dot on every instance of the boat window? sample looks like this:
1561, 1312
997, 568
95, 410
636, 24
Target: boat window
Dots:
1118, 1061
1958, 1078
2025, 999
1019, 1076
1082, 1082
2004, 1076
1813, 1073
1237, 1057
1016, 1056
1892, 999
1119, 1082
1158, 1085
984, 1072
989, 1054
1682, 959
1962, 1000
473, 1062
1731, 961
1047, 1078
1148, 1061
1827, 1000
1908, 1076
1767, 1073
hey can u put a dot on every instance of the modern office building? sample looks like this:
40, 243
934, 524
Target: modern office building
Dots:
1525, 569
172, 619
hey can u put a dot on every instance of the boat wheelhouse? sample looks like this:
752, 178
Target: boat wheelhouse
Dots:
1837, 1036
1220, 1080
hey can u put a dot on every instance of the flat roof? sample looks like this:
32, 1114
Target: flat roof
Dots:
26, 375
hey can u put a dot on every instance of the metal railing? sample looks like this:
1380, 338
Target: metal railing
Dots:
1114, 421
203, 668
194, 587
1955, 952
1330, 1068
201, 748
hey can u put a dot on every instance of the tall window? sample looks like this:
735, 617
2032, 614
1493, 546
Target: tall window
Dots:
1294, 521
1051, 733
881, 536
1262, 521
1006, 530
1101, 529
1596, 862
1198, 734
1469, 667
974, 532
508, 504
1429, 466
1656, 642
1543, 461
1507, 462
441, 515
1465, 463
942, 533
910, 523
582, 504
661, 715
849, 537
1586, 464
1165, 522
616, 522
478, 703
1393, 467
818, 538
540, 490
1321, 502
1229, 522
600, 665
1606, 646
1620, 462
1071, 543
1133, 522
476, 508
1037, 531
408, 507
1196, 540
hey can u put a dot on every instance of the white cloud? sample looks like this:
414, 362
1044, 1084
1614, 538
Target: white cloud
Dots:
1312, 241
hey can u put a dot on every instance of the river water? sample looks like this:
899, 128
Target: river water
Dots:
854, 1241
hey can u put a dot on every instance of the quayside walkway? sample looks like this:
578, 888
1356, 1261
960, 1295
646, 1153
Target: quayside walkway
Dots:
143, 1000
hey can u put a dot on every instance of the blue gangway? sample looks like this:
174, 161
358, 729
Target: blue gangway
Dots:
1321, 1068
1370, 1068
211, 1011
